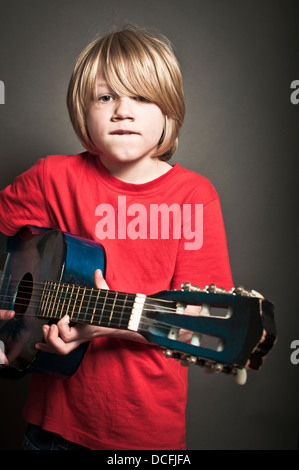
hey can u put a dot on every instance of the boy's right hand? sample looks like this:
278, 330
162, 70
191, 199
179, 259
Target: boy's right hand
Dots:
5, 315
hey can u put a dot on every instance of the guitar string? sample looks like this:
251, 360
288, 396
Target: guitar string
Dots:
116, 308
52, 285
120, 303
144, 320
94, 297
65, 285
145, 323
86, 317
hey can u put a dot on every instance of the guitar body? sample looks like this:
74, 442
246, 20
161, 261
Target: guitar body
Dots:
31, 257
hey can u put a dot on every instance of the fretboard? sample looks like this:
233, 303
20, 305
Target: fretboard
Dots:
86, 305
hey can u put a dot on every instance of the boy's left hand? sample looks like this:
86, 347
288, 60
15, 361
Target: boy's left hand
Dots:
61, 339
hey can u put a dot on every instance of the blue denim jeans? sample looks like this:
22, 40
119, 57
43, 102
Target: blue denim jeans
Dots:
37, 439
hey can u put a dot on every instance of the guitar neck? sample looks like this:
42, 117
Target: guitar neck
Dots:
90, 306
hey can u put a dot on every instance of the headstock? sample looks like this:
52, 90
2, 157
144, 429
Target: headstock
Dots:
234, 331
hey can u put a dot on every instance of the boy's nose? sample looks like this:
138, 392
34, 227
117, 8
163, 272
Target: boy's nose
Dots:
123, 109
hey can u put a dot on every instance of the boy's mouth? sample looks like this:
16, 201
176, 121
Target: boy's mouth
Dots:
123, 132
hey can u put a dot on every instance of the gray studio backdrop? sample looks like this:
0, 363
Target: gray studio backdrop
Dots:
239, 59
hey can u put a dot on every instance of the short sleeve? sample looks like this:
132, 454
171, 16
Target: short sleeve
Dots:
208, 262
23, 202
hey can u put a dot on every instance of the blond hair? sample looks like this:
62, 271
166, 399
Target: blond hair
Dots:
133, 62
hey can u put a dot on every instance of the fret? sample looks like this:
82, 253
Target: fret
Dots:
46, 299
58, 291
112, 309
89, 305
64, 299
5, 305
83, 305
75, 301
118, 310
119, 316
95, 306
50, 298
69, 301
126, 312
103, 308
41, 301
122, 310
86, 304
54, 287
82, 299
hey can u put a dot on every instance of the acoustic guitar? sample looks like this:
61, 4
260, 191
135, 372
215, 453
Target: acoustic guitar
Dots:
46, 274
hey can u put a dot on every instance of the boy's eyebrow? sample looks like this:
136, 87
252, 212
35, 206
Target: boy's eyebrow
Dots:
103, 87
102, 84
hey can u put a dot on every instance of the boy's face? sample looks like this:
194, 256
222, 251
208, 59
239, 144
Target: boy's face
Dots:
123, 128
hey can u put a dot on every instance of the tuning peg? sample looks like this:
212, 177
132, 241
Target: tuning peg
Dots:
213, 289
213, 367
189, 287
187, 361
168, 353
240, 290
240, 376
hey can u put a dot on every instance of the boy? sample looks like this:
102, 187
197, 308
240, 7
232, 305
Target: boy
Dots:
126, 104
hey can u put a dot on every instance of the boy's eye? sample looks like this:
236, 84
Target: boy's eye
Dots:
141, 98
105, 98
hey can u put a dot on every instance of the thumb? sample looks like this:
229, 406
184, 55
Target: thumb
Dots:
99, 280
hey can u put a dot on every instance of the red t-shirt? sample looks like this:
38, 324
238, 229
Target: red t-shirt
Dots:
125, 395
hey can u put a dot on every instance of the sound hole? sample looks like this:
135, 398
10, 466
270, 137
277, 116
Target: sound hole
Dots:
23, 294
